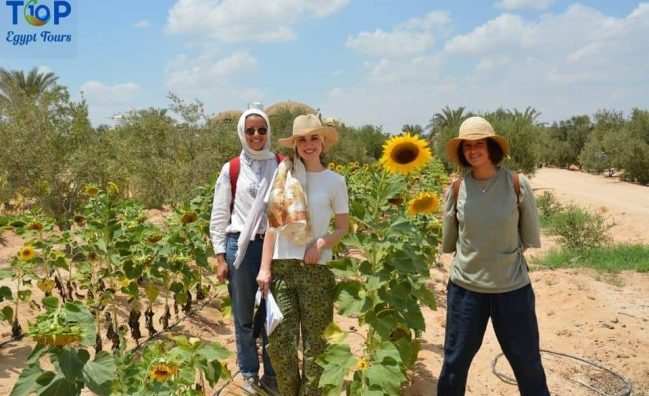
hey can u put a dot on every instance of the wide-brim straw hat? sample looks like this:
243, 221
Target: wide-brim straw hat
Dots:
310, 124
475, 128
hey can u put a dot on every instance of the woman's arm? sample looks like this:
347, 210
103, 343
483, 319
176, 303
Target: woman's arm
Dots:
450, 223
264, 275
313, 252
219, 220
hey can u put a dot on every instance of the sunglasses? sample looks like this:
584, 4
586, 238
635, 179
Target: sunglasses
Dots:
251, 131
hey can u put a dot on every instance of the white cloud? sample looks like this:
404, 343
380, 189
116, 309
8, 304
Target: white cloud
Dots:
562, 64
246, 20
432, 20
203, 73
411, 38
396, 43
142, 24
521, 4
98, 93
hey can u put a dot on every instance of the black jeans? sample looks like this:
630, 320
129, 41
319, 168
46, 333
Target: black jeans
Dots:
514, 321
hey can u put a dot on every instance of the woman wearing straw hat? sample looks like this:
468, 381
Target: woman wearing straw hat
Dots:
303, 197
238, 243
490, 218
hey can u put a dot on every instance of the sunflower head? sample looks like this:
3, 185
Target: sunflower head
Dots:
339, 168
404, 154
91, 190
162, 371
423, 203
188, 217
92, 256
362, 365
154, 238
79, 220
113, 187
35, 226
331, 166
26, 253
46, 285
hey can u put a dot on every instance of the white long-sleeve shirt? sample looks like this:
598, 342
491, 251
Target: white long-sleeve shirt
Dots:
222, 222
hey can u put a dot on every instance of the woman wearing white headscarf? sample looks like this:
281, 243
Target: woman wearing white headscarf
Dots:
233, 216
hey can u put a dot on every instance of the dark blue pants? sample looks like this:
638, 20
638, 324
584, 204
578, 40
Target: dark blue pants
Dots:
514, 321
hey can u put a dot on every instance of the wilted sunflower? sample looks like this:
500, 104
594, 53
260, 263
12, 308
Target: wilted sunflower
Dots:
188, 217
404, 154
26, 253
331, 166
362, 365
46, 285
91, 191
92, 256
79, 220
154, 238
35, 226
423, 203
162, 372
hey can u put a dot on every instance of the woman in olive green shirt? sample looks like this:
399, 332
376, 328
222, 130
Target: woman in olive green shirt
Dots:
488, 225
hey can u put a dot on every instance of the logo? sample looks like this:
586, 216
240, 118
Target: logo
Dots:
39, 14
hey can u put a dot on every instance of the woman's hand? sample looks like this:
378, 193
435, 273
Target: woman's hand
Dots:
314, 251
263, 280
221, 268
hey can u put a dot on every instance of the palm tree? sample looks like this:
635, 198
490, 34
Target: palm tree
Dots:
413, 129
530, 114
33, 84
448, 118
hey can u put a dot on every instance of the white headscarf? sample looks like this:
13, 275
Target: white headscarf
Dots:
262, 154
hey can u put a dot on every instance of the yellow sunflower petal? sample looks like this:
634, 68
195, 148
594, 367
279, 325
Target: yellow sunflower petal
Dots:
404, 154
423, 203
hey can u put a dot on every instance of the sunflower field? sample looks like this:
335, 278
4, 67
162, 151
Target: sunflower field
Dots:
110, 289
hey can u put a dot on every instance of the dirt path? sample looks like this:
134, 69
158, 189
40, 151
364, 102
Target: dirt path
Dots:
603, 318
627, 204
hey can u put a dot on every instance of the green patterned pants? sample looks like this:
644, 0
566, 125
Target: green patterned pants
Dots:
304, 294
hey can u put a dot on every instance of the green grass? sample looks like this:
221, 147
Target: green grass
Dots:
613, 258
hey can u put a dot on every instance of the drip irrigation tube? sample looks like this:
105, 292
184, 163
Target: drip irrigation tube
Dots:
624, 392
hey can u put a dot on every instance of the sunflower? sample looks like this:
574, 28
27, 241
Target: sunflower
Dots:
339, 168
188, 217
79, 220
46, 285
114, 188
35, 226
91, 191
362, 365
162, 372
404, 154
331, 166
423, 203
26, 253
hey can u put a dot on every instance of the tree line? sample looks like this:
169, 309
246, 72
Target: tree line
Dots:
50, 151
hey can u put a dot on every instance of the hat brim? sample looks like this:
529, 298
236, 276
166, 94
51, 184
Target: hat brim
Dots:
453, 144
330, 137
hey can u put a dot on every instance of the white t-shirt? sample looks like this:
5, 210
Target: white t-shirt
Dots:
326, 196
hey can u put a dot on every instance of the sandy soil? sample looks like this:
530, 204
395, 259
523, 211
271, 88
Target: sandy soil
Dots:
601, 318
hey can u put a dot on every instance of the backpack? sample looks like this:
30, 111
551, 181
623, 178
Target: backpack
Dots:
235, 166
517, 189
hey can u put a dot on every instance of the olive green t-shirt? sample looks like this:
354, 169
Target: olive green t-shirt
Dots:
488, 238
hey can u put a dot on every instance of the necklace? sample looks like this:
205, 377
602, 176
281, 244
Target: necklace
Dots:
484, 186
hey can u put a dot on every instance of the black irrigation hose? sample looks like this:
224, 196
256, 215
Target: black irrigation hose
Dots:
150, 338
512, 381
163, 331
10, 340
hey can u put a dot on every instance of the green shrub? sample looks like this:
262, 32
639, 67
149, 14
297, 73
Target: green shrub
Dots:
579, 229
548, 204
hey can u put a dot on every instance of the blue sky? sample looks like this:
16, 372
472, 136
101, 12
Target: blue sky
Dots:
380, 62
